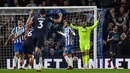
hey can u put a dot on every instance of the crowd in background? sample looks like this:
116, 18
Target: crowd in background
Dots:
27, 3
54, 45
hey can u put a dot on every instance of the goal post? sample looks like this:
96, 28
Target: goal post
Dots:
8, 11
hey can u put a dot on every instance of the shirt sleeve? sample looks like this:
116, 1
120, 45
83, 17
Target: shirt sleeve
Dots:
93, 26
110, 35
13, 31
51, 20
74, 27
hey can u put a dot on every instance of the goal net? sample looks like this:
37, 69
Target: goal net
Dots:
54, 43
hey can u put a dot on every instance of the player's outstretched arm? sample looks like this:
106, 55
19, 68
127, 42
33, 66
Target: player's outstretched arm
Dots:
59, 19
61, 33
74, 27
97, 22
17, 37
10, 36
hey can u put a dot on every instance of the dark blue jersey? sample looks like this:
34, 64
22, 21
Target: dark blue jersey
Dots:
30, 33
41, 24
116, 37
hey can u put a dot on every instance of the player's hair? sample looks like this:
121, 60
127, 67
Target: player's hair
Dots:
67, 21
19, 19
42, 11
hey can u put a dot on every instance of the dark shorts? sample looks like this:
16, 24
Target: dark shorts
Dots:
113, 48
28, 47
38, 40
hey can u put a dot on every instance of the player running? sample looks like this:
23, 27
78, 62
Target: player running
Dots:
40, 23
17, 39
68, 34
84, 40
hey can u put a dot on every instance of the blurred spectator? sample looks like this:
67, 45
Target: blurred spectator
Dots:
15, 3
110, 27
43, 3
89, 2
54, 4
51, 43
23, 3
54, 37
57, 51
66, 3
124, 28
93, 3
52, 51
123, 45
6, 5
31, 4
46, 49
83, 3
123, 1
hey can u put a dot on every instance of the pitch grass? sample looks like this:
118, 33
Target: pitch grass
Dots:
67, 71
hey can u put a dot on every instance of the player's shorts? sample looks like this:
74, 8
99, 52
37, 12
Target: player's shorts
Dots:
113, 48
18, 48
28, 47
68, 49
38, 40
84, 47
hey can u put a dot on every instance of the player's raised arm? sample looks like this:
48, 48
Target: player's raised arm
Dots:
96, 23
29, 20
59, 19
74, 27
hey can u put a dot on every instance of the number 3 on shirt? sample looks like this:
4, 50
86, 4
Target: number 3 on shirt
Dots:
40, 24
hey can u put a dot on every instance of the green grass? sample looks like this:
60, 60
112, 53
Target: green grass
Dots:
68, 71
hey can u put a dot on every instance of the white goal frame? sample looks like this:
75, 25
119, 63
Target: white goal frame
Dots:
70, 7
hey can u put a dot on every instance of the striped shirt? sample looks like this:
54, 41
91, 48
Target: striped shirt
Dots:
17, 31
68, 36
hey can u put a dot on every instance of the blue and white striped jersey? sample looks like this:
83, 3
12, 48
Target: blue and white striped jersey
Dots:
17, 31
68, 36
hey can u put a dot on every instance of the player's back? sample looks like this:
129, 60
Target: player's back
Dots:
40, 24
29, 34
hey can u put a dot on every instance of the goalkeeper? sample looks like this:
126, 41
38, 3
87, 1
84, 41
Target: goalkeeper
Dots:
84, 40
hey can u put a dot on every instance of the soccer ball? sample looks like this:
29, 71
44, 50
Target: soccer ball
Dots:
75, 58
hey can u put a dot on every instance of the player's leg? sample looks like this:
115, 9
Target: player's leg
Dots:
38, 53
82, 49
114, 56
25, 50
65, 55
16, 55
70, 56
40, 59
86, 54
86, 58
21, 52
27, 61
111, 52
30, 52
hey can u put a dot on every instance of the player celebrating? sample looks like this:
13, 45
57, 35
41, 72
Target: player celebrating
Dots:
113, 38
18, 31
40, 23
84, 40
28, 47
68, 44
